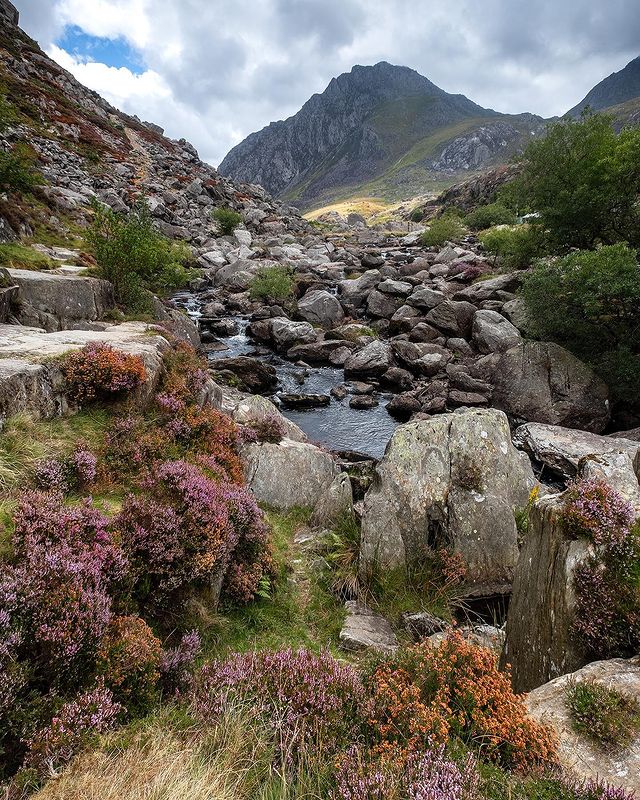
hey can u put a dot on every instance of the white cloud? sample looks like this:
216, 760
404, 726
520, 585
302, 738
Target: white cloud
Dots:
217, 70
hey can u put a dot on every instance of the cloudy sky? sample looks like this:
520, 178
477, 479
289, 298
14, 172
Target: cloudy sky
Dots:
214, 71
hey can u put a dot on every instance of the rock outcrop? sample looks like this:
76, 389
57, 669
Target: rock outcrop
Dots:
581, 759
451, 481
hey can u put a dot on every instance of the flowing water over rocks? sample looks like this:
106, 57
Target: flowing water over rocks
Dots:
336, 426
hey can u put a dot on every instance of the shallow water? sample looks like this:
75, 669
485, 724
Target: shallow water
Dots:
336, 426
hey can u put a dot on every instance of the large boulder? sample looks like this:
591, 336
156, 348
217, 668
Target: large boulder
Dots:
561, 449
253, 375
290, 474
321, 308
540, 643
57, 302
493, 333
450, 481
354, 292
453, 317
543, 382
30, 379
373, 360
580, 759
286, 333
255, 410
364, 629
239, 275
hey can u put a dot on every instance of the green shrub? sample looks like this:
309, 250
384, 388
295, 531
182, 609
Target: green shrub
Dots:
490, 215
515, 247
607, 717
584, 181
17, 171
227, 219
20, 256
589, 302
443, 229
417, 214
134, 256
274, 283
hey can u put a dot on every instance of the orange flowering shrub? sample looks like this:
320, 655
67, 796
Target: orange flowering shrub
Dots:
129, 661
425, 695
99, 372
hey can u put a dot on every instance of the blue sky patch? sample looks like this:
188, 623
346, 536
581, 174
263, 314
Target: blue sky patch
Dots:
113, 52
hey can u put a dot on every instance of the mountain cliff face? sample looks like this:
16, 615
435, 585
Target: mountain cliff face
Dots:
386, 127
619, 88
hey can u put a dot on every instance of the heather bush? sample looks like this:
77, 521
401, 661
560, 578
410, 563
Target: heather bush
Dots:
425, 695
607, 717
135, 257
76, 471
75, 724
227, 219
128, 661
607, 582
310, 703
447, 228
177, 663
99, 372
431, 775
273, 283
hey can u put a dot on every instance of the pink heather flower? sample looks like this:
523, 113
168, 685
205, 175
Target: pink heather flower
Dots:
596, 511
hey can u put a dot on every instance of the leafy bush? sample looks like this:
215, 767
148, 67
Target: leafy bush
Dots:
589, 302
607, 583
608, 717
515, 247
129, 661
17, 171
417, 214
425, 694
584, 181
134, 256
227, 219
443, 229
273, 283
99, 372
488, 216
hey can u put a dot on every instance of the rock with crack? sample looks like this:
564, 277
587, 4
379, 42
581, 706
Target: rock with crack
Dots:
493, 333
364, 629
561, 449
451, 481
321, 308
289, 474
540, 643
335, 505
581, 759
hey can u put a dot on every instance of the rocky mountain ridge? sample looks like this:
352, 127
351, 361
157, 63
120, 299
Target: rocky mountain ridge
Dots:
376, 125
615, 90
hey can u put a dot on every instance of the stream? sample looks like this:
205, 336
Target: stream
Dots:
336, 426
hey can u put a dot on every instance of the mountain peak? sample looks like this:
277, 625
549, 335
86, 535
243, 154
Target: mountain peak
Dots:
617, 88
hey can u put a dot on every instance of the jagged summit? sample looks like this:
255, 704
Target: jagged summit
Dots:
382, 124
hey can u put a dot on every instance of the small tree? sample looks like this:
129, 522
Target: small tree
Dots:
134, 256
227, 219
584, 181
515, 247
275, 283
589, 302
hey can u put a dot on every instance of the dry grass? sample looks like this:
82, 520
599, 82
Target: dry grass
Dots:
170, 758
25, 441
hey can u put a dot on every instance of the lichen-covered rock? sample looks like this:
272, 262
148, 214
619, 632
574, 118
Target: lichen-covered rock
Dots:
288, 475
256, 410
364, 629
335, 504
286, 333
321, 308
581, 759
450, 481
373, 360
56, 302
543, 382
540, 644
493, 333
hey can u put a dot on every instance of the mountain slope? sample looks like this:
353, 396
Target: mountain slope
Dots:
618, 88
384, 126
